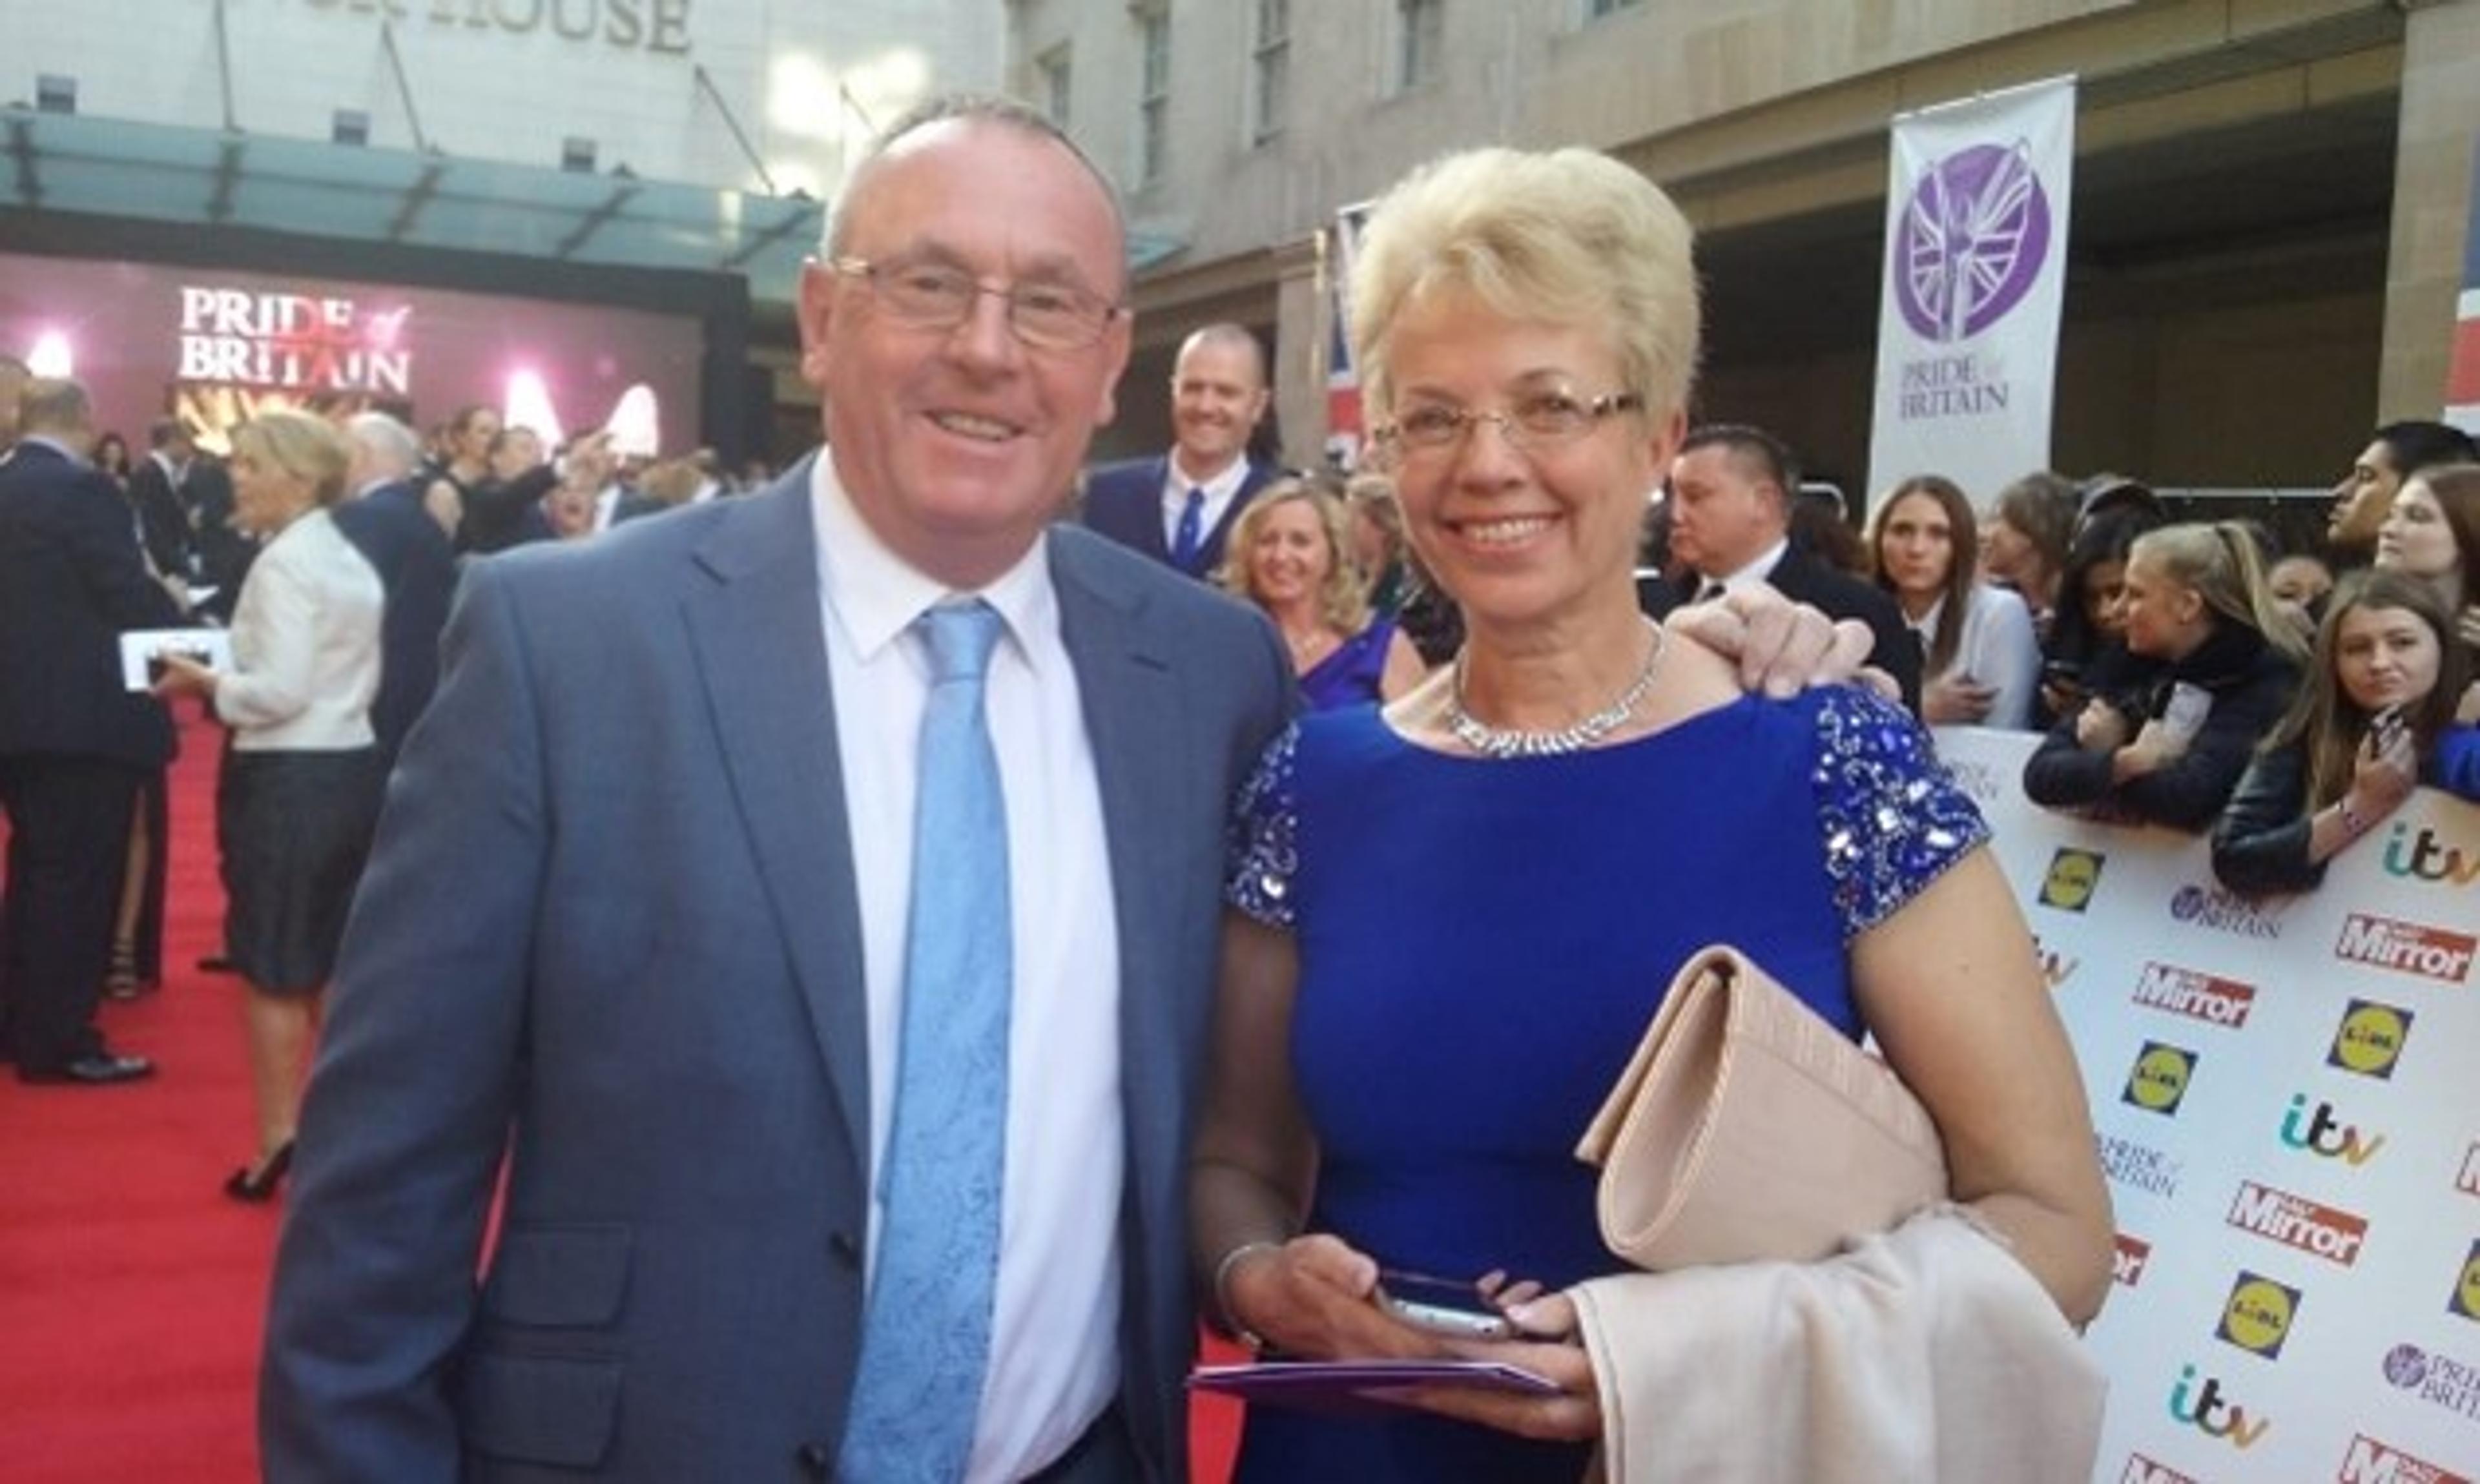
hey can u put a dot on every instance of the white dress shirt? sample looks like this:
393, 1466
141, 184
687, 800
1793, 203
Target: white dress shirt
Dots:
1996, 648
305, 642
1753, 573
1055, 1336
1219, 492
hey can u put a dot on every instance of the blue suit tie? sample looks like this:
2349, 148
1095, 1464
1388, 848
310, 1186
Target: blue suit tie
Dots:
926, 1336
1186, 541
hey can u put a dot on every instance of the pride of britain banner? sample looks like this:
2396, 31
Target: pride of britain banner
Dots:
1975, 272
2286, 1097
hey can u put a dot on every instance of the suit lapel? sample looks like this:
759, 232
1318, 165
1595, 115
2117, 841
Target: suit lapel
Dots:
1157, 545
1131, 696
762, 659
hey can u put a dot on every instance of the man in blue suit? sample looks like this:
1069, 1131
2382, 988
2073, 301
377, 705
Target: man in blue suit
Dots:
1179, 507
636, 922
385, 521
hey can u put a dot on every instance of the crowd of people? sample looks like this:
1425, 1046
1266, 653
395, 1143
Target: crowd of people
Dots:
872, 940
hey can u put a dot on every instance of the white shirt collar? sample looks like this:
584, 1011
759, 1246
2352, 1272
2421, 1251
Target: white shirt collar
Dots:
1224, 483
1755, 570
1926, 625
877, 594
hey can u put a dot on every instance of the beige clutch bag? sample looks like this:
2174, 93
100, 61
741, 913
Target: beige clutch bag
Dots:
1745, 1129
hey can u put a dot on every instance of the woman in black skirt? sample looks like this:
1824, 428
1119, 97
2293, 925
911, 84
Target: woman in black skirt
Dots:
299, 796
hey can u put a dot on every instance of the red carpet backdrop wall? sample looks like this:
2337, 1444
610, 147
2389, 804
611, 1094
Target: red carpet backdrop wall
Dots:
2287, 1110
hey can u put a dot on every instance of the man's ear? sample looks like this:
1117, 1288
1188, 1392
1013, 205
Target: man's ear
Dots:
814, 311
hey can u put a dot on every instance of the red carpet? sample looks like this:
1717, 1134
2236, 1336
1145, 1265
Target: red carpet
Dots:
131, 1290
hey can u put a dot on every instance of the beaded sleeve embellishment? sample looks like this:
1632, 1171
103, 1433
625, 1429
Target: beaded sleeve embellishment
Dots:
1262, 854
1893, 816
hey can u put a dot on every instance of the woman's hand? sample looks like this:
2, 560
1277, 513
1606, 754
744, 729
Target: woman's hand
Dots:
1550, 1349
2101, 728
2385, 772
182, 677
1956, 699
1316, 1297
2466, 626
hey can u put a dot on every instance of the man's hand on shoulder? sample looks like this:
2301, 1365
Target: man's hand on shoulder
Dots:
1782, 646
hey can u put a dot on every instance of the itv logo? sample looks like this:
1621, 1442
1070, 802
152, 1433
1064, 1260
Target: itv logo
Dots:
2206, 1411
2322, 1133
2424, 857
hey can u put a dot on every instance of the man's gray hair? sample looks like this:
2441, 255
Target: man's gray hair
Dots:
391, 444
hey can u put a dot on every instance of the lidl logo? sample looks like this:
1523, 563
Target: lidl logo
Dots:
2141, 1470
2072, 876
2207, 1410
2467, 1288
2323, 1133
2257, 1315
2371, 1461
2370, 1038
2160, 1078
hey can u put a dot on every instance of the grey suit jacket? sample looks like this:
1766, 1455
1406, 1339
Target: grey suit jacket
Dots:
611, 930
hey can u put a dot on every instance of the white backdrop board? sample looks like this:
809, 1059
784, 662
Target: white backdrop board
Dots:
2288, 1110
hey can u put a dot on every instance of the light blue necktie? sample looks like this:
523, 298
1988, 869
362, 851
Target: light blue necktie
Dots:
1185, 542
926, 1337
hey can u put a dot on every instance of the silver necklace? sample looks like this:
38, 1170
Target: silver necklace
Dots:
1503, 742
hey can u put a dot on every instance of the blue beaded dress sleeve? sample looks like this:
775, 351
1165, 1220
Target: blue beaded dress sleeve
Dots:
1893, 818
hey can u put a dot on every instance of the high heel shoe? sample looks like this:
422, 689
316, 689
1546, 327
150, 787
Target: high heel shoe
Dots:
258, 1186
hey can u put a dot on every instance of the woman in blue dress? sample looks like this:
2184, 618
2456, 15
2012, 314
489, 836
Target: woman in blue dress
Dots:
1287, 556
1453, 918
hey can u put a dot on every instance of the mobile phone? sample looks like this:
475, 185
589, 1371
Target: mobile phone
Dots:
2189, 705
1442, 1306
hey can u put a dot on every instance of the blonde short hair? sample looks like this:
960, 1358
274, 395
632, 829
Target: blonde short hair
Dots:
1343, 598
307, 448
1568, 237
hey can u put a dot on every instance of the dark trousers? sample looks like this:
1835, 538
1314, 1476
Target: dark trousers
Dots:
68, 843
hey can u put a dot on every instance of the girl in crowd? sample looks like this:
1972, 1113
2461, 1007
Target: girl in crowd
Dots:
2432, 532
2373, 719
2210, 662
1288, 556
2085, 628
300, 794
1448, 931
465, 464
111, 456
1980, 665
2025, 542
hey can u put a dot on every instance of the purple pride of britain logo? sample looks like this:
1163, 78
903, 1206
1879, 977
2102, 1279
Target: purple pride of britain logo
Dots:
1973, 239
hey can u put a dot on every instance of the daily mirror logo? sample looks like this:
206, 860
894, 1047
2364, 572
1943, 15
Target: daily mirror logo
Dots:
2127, 1264
2371, 1461
2323, 1133
2370, 1038
2258, 1314
2407, 947
2072, 877
2296, 1222
2159, 1080
2207, 1410
2180, 991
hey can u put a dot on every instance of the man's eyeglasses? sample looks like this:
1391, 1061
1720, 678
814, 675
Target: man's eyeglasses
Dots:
940, 296
1541, 420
